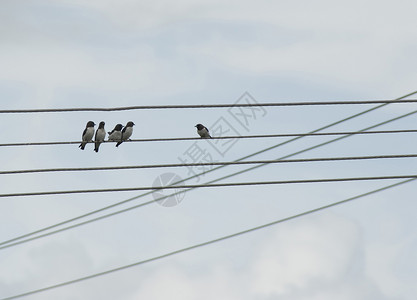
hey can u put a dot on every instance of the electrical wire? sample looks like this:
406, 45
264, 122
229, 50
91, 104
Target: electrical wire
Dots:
200, 106
216, 163
15, 241
207, 243
192, 186
26, 238
191, 177
93, 212
282, 135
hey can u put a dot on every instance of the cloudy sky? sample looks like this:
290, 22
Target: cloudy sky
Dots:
99, 53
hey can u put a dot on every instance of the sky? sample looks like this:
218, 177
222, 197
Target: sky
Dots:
73, 53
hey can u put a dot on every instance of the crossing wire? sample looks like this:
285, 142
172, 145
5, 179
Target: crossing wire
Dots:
29, 234
203, 106
210, 164
207, 243
282, 135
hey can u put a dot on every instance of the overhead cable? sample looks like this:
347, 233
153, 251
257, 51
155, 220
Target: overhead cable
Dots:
207, 243
210, 164
229, 184
93, 212
27, 236
204, 106
282, 135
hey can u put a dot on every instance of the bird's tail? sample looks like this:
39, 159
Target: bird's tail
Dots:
82, 145
96, 147
118, 144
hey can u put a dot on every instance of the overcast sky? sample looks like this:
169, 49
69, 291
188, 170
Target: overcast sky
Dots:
101, 53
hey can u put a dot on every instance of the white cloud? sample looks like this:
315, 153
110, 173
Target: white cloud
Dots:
167, 283
305, 254
354, 43
314, 258
38, 266
384, 267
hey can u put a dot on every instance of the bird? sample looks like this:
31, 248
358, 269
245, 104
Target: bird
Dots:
203, 131
126, 132
116, 134
87, 134
100, 135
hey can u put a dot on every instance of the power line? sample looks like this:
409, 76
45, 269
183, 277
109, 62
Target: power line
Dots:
226, 237
200, 106
26, 235
192, 186
21, 237
194, 176
282, 135
217, 163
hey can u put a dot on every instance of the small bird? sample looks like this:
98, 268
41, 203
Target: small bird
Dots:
100, 135
87, 134
203, 131
126, 132
116, 134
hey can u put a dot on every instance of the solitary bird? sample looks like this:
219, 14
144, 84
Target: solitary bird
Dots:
100, 135
116, 134
126, 132
203, 131
87, 134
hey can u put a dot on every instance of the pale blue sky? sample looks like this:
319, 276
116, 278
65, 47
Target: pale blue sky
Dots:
64, 53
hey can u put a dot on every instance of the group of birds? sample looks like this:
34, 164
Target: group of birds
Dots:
120, 134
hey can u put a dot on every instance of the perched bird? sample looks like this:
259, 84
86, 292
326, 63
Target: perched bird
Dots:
100, 135
116, 134
87, 134
126, 132
203, 131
